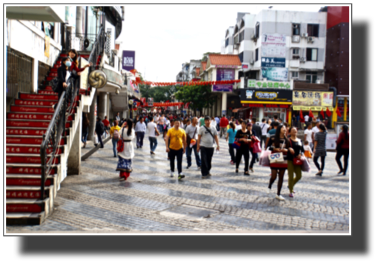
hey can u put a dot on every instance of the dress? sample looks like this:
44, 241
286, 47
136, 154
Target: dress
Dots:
125, 157
320, 137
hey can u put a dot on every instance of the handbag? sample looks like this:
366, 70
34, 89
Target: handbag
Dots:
277, 160
264, 159
296, 161
236, 144
120, 143
305, 167
255, 145
96, 140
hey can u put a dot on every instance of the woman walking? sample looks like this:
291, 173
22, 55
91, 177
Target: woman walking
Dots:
125, 157
295, 152
231, 133
243, 136
319, 148
85, 129
278, 143
343, 149
254, 156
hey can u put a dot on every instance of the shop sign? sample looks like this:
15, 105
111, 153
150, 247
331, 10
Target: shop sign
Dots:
269, 84
274, 39
330, 142
224, 74
227, 66
315, 101
128, 60
255, 95
275, 73
273, 51
273, 62
84, 74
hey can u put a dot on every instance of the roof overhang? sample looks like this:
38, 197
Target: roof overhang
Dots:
37, 13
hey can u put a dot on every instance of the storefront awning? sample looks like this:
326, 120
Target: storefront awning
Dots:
265, 102
313, 108
240, 109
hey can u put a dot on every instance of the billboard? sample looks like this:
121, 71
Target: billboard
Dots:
273, 45
271, 51
273, 62
257, 95
269, 84
305, 100
274, 39
275, 74
128, 60
224, 74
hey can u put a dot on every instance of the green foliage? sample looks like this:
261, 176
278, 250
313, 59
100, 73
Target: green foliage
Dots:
199, 97
158, 93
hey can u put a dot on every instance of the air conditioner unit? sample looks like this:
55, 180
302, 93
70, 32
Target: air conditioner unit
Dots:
310, 40
305, 35
302, 59
296, 38
251, 61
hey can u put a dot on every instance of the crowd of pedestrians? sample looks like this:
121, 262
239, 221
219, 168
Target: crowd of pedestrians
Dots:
245, 138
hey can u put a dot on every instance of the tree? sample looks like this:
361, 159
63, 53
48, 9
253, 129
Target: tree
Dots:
199, 97
158, 93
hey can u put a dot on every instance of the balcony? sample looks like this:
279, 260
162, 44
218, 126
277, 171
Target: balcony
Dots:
295, 63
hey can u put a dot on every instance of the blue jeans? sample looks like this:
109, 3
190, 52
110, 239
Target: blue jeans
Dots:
84, 135
188, 152
114, 142
254, 158
153, 143
160, 128
140, 138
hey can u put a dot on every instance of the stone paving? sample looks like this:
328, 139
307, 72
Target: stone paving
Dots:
151, 201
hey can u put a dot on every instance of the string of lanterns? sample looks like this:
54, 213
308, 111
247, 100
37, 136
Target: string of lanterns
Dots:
189, 83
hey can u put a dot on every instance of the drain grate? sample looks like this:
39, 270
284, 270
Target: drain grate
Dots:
190, 213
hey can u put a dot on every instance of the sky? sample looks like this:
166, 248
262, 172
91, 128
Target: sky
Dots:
166, 36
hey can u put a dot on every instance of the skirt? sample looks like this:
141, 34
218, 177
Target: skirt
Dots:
124, 165
307, 154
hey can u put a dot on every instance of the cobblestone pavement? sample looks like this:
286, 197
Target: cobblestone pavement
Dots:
151, 201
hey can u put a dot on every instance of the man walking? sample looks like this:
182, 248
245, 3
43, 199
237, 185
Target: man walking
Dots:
257, 129
140, 132
217, 120
205, 144
152, 131
99, 130
176, 139
223, 126
192, 131
264, 128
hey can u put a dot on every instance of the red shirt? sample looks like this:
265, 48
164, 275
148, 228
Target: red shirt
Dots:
223, 122
345, 142
74, 67
105, 122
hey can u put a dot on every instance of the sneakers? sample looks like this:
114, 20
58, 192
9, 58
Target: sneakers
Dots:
172, 174
187, 167
152, 153
280, 197
181, 176
291, 195
122, 179
232, 163
268, 190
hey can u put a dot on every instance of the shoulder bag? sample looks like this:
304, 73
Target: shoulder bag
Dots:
213, 141
121, 142
296, 161
189, 138
277, 160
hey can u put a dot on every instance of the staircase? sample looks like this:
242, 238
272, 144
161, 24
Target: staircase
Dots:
26, 123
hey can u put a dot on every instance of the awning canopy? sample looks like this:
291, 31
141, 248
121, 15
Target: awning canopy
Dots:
240, 109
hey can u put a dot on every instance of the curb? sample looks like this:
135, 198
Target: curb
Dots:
93, 150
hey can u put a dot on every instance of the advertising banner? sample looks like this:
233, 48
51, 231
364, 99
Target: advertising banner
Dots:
70, 15
273, 62
315, 101
224, 74
273, 51
47, 46
150, 101
84, 75
274, 39
330, 142
269, 84
272, 96
275, 74
128, 60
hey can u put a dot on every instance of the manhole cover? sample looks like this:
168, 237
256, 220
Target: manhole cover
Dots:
189, 212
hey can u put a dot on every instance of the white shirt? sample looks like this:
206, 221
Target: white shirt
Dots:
315, 129
306, 118
151, 129
140, 127
238, 127
213, 124
264, 128
307, 148
308, 135
128, 152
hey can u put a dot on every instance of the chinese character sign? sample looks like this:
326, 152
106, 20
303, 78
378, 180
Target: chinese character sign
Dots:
224, 74
128, 59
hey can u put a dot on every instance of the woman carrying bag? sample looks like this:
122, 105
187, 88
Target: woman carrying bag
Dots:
343, 149
125, 156
278, 144
294, 160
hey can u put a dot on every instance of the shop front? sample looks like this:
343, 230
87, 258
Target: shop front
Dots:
267, 103
315, 101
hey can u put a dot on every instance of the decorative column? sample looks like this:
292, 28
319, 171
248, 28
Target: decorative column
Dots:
224, 103
102, 103
92, 117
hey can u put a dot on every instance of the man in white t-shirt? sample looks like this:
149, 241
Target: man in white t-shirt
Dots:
264, 126
315, 130
306, 118
308, 135
152, 131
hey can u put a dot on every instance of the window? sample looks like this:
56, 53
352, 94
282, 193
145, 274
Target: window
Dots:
311, 77
295, 53
294, 74
313, 30
241, 57
242, 36
296, 29
257, 30
311, 54
236, 39
256, 54
226, 42
48, 28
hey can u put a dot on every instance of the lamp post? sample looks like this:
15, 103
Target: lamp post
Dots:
130, 108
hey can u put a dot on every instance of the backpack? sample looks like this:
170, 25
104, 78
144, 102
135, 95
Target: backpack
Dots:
116, 134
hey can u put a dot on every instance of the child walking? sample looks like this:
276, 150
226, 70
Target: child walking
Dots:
307, 150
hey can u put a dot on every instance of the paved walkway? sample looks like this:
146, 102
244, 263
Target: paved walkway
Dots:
150, 200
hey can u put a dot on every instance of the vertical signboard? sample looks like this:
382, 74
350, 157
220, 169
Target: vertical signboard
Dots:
273, 45
150, 101
128, 60
84, 75
224, 74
